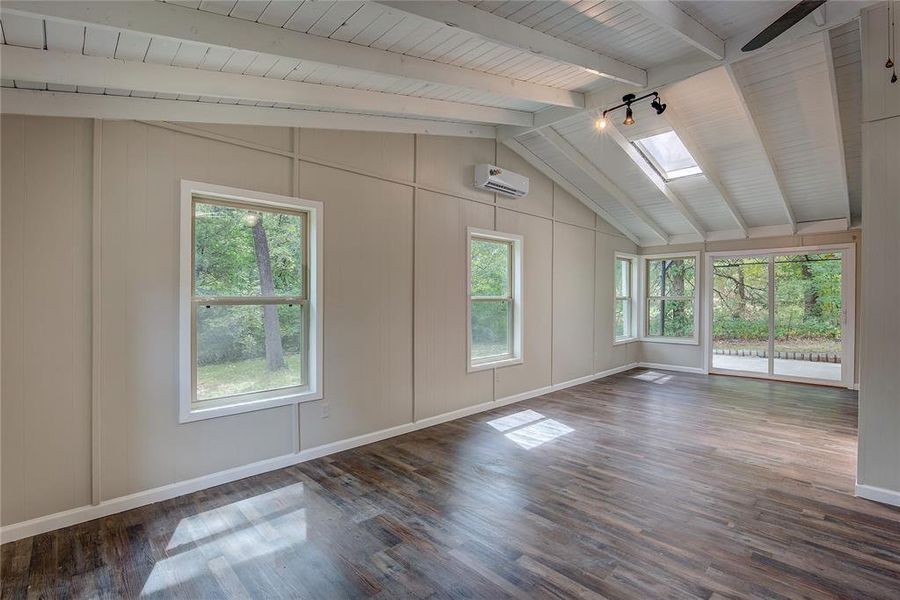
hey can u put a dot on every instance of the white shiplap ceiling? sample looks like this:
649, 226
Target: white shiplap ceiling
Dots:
776, 132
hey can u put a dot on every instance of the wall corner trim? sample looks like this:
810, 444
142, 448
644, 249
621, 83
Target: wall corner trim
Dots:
871, 492
39, 525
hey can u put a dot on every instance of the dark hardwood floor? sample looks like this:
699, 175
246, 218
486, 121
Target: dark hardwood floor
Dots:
647, 484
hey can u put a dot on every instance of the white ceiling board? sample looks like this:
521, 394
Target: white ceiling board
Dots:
608, 27
549, 154
845, 50
250, 10
132, 46
64, 37
789, 96
704, 201
23, 31
278, 13
606, 154
100, 42
728, 19
710, 109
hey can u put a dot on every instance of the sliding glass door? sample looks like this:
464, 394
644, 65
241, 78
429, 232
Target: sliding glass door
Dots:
782, 315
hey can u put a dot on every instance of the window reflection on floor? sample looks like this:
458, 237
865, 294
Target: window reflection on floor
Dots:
215, 542
653, 377
529, 429
515, 420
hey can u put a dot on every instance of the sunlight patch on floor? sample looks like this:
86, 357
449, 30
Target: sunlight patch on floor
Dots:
515, 420
238, 532
653, 377
529, 429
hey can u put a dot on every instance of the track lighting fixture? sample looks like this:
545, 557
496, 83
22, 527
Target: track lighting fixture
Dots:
627, 101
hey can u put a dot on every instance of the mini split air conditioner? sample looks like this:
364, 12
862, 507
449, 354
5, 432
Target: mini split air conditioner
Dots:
495, 179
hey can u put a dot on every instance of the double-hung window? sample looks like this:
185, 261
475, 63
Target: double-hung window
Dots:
670, 298
250, 301
495, 306
624, 297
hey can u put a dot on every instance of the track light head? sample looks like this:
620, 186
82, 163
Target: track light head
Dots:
629, 116
658, 106
889, 64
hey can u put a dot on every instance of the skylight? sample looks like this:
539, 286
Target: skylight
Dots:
668, 156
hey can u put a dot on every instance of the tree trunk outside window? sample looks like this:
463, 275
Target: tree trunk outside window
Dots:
274, 350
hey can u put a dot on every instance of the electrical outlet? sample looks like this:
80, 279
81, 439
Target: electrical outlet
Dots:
325, 412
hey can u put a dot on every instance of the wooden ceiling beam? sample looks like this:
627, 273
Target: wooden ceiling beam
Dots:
535, 161
514, 35
202, 27
28, 64
600, 178
677, 22
628, 148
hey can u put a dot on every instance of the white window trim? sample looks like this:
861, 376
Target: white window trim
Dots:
518, 294
694, 339
633, 284
313, 389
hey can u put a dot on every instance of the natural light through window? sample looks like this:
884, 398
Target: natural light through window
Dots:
249, 301
530, 429
668, 156
495, 299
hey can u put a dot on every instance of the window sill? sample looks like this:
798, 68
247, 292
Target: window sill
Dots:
665, 340
494, 364
222, 410
623, 341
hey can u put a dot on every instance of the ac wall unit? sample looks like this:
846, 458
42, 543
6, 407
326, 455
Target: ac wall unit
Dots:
495, 179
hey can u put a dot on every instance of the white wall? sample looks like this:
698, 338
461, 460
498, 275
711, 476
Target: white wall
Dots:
396, 210
878, 471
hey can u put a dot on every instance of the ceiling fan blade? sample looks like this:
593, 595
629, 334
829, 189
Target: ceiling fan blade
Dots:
782, 24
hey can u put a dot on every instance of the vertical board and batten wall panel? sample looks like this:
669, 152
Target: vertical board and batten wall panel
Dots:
881, 98
46, 251
368, 260
607, 355
534, 373
441, 381
879, 406
570, 210
142, 444
395, 295
539, 200
384, 154
447, 164
573, 302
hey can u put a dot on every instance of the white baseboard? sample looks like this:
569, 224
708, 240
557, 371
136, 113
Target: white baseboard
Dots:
36, 526
871, 492
678, 368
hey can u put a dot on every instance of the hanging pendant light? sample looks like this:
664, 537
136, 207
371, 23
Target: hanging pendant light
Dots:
629, 116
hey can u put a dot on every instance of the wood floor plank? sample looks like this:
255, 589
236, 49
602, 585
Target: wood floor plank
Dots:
647, 484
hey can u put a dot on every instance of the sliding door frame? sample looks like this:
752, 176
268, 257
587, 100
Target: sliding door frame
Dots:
848, 312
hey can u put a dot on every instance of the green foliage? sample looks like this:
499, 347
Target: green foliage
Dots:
225, 264
491, 265
807, 298
225, 255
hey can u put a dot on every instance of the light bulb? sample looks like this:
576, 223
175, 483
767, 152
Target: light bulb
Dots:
629, 117
601, 123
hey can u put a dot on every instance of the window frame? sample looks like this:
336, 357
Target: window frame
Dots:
631, 322
651, 160
694, 338
516, 300
189, 410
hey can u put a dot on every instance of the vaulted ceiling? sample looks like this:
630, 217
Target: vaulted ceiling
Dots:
776, 132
